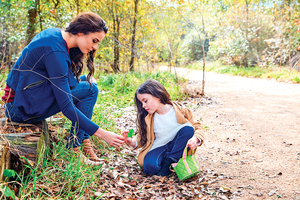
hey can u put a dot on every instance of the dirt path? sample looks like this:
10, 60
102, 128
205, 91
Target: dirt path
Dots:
253, 135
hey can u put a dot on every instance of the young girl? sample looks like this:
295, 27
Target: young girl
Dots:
47, 79
164, 129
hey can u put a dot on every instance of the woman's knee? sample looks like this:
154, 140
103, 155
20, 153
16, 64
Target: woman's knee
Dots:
94, 89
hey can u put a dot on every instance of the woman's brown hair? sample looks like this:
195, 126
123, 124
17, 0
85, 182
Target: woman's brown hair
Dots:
155, 89
85, 23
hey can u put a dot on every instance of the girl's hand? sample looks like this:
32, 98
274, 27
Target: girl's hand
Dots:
193, 142
129, 141
125, 134
110, 137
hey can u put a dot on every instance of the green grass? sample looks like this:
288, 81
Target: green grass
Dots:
124, 86
63, 176
281, 74
3, 75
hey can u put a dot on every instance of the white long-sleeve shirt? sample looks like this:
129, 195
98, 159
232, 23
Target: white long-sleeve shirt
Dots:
166, 128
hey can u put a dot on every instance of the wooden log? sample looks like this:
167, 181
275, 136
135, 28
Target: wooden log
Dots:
2, 121
2, 111
43, 145
29, 139
4, 157
27, 148
2, 117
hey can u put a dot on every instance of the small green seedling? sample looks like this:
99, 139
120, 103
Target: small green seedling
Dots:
130, 133
9, 173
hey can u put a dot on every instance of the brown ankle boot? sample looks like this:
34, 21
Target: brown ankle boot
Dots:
89, 151
83, 158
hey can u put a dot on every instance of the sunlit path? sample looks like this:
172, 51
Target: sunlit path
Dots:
253, 134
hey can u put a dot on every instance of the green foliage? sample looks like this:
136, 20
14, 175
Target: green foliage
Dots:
119, 89
296, 78
243, 34
9, 173
7, 192
281, 74
63, 176
232, 49
130, 133
191, 47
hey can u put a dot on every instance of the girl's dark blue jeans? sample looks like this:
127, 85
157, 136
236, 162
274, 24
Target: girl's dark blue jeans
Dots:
84, 98
172, 150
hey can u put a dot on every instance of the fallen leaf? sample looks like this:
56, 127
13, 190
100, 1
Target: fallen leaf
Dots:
257, 194
119, 191
16, 190
132, 182
225, 188
98, 194
272, 192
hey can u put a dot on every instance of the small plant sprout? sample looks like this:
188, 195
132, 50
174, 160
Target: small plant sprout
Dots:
130, 133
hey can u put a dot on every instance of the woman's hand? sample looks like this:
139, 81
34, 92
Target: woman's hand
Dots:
129, 141
193, 143
110, 137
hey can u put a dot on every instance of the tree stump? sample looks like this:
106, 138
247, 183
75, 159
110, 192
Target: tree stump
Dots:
22, 144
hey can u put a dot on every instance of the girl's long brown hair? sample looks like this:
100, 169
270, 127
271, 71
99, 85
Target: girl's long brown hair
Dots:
85, 23
155, 89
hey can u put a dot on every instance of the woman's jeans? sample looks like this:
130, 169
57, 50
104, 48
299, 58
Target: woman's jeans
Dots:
172, 150
84, 98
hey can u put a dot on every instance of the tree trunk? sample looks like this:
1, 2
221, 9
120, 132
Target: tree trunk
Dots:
203, 50
77, 6
290, 16
116, 45
6, 53
32, 15
247, 20
258, 39
133, 50
39, 14
116, 33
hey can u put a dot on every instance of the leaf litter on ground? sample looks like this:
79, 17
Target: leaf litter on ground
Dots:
122, 178
136, 184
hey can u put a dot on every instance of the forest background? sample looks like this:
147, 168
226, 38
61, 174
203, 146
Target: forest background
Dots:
232, 35
144, 32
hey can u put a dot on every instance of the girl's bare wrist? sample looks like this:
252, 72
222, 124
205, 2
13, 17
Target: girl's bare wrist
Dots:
133, 143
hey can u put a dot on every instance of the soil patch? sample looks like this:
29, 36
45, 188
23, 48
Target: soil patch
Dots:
252, 134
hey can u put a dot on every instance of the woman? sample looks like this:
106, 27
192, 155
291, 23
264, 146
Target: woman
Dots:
46, 80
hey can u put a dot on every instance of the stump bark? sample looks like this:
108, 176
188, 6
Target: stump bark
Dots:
22, 144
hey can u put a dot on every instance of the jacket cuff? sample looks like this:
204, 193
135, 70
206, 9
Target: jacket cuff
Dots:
200, 141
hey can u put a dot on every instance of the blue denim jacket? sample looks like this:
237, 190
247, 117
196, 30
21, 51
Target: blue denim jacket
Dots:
42, 76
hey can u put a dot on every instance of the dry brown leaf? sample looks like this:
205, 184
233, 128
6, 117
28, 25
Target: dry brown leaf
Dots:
119, 191
132, 182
